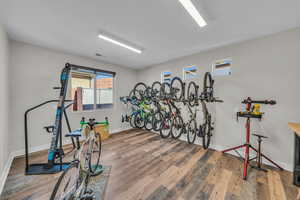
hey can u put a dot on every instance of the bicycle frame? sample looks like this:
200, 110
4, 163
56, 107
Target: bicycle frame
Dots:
84, 170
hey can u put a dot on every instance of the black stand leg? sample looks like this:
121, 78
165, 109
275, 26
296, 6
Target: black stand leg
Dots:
297, 161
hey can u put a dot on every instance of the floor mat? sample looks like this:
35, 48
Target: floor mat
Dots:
99, 183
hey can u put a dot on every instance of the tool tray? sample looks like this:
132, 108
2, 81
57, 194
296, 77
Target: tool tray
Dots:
249, 115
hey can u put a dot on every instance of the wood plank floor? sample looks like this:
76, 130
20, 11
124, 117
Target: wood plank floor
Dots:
144, 166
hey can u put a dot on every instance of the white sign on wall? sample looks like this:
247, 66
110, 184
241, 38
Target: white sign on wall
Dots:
222, 67
189, 72
166, 77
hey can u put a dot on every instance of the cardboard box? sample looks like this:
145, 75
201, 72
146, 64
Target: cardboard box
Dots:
103, 130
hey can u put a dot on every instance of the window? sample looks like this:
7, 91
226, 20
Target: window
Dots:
189, 72
166, 77
91, 89
222, 67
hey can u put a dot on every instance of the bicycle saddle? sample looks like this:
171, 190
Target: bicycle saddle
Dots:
76, 133
259, 136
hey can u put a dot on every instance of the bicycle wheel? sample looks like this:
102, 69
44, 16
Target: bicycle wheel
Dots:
131, 120
177, 88
83, 155
148, 122
155, 89
192, 131
133, 100
206, 132
95, 150
192, 93
177, 127
208, 86
165, 90
67, 183
148, 96
139, 90
157, 121
139, 120
165, 130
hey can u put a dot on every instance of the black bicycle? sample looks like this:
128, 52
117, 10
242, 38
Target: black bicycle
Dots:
208, 87
177, 91
142, 92
205, 130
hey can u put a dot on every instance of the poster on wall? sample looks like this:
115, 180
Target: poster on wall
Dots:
189, 72
166, 77
222, 67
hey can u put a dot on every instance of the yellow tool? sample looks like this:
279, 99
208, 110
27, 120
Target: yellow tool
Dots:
256, 109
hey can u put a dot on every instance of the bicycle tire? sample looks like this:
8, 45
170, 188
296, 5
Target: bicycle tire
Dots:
192, 131
173, 88
206, 132
177, 124
132, 97
148, 121
154, 91
163, 93
157, 118
148, 96
131, 120
192, 97
140, 93
139, 121
94, 166
73, 172
208, 87
165, 131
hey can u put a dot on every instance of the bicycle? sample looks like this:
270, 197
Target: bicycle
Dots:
142, 92
142, 116
207, 96
73, 182
171, 120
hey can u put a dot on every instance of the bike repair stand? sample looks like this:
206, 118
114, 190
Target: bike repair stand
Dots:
250, 114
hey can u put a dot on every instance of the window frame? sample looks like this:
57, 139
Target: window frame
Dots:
93, 74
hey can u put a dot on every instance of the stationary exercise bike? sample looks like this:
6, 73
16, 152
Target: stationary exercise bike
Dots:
252, 112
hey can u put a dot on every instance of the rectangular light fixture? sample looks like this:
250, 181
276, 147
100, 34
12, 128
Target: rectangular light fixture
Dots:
189, 6
107, 38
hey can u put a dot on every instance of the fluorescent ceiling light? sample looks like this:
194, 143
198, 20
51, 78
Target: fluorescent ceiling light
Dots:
104, 37
189, 6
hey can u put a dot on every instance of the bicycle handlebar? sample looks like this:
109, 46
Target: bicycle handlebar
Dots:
92, 122
249, 100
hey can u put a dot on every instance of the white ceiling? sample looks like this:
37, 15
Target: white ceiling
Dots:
162, 27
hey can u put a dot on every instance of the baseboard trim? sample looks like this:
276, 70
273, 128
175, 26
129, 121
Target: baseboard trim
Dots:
5, 172
119, 130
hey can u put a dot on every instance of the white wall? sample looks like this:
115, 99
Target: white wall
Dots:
4, 59
34, 71
265, 68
